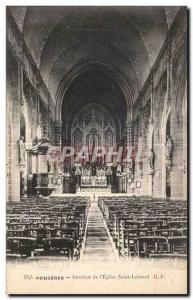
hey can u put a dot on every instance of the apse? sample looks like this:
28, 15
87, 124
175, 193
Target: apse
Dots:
98, 95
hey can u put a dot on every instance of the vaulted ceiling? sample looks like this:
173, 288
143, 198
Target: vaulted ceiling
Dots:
94, 87
127, 39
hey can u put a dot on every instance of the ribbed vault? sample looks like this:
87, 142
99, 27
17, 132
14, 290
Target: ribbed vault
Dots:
127, 39
93, 86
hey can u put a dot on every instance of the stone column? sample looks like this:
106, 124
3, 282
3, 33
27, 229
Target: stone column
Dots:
130, 141
29, 173
151, 146
176, 130
58, 133
169, 75
13, 130
84, 134
152, 99
130, 135
139, 156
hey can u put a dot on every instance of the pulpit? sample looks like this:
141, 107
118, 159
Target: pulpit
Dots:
44, 184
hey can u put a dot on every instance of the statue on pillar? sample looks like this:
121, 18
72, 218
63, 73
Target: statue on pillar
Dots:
49, 166
109, 170
168, 152
168, 148
22, 149
151, 159
77, 171
151, 162
119, 169
78, 175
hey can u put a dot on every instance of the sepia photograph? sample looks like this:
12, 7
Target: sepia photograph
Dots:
96, 150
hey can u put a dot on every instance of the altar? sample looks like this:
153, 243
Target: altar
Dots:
91, 183
94, 189
97, 181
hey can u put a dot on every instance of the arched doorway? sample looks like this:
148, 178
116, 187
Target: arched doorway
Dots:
93, 108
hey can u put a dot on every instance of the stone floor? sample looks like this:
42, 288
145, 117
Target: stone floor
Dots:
97, 243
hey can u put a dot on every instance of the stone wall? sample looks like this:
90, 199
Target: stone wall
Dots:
162, 98
13, 128
29, 99
165, 88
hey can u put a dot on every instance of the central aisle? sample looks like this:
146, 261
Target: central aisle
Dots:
97, 243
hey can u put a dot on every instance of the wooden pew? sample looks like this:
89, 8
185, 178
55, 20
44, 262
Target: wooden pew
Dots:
39, 220
157, 224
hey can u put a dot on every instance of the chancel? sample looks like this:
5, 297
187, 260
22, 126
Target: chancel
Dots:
96, 132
